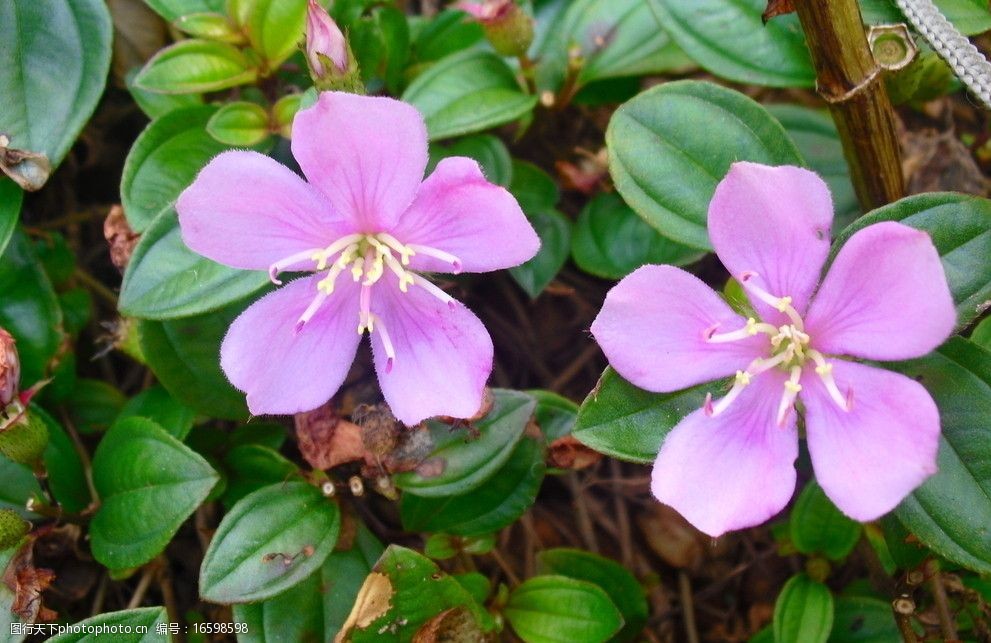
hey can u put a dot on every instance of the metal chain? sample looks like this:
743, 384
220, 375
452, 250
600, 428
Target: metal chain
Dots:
967, 62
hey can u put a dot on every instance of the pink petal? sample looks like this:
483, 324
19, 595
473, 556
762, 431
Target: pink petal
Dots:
734, 470
885, 297
443, 354
868, 459
246, 210
456, 210
652, 328
367, 154
284, 371
773, 221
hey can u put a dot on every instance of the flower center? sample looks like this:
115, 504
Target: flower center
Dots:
790, 351
365, 257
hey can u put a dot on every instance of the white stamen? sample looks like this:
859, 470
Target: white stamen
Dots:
781, 304
322, 256
365, 320
825, 372
434, 290
792, 388
311, 310
752, 328
405, 252
282, 264
446, 257
390, 352
742, 380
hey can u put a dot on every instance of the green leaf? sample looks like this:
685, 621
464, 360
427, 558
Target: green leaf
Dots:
817, 526
167, 280
468, 92
533, 188
173, 9
147, 619
960, 227
622, 587
466, 461
555, 415
971, 17
66, 475
239, 124
56, 56
404, 591
490, 152
315, 609
951, 511
275, 27
270, 541
981, 335
10, 210
195, 66
860, 619
611, 241
19, 484
156, 105
94, 405
251, 467
803, 612
29, 309
625, 422
184, 354
819, 144
447, 33
506, 496
155, 403
614, 38
554, 230
550, 609
164, 160
149, 483
209, 26
668, 148
729, 39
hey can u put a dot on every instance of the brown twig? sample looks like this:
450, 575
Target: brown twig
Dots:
622, 515
687, 607
585, 526
946, 623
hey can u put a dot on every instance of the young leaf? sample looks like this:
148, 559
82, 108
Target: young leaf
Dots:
275, 27
195, 66
468, 92
239, 124
803, 612
548, 609
666, 166
554, 230
10, 210
155, 403
149, 483
271, 540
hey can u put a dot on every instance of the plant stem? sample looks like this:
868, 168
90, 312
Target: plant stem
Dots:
851, 82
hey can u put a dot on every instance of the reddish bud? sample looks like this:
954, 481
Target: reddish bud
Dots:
507, 26
332, 65
10, 369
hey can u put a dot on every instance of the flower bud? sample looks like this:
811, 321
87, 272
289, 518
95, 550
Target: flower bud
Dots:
24, 439
332, 65
507, 26
10, 369
12, 528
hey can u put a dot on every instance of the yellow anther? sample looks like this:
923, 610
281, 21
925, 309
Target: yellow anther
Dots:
326, 285
405, 281
793, 387
356, 270
824, 369
752, 326
742, 378
783, 304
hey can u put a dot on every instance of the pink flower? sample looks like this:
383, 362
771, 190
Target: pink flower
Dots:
873, 434
367, 224
324, 40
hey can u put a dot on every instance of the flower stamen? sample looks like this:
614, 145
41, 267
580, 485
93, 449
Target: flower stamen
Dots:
446, 257
825, 372
283, 264
781, 304
792, 389
741, 381
312, 309
752, 328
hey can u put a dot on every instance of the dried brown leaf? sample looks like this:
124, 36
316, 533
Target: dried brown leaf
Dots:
777, 8
568, 453
326, 440
374, 599
455, 625
119, 235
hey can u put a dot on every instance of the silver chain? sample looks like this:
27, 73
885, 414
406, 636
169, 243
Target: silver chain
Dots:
966, 61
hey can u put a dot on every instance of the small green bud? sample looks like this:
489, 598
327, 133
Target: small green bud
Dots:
507, 26
332, 64
24, 438
12, 528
